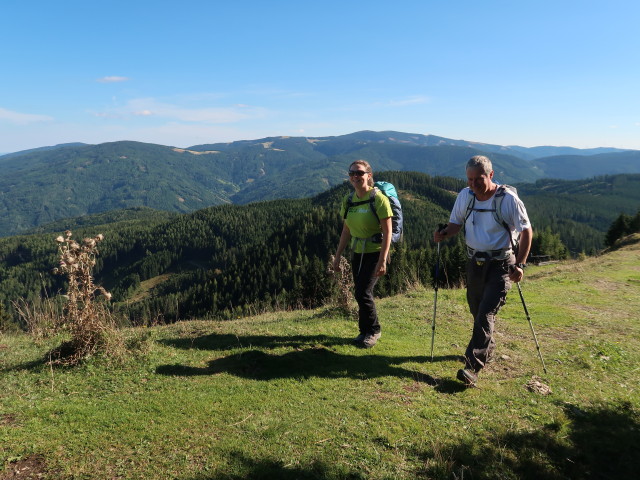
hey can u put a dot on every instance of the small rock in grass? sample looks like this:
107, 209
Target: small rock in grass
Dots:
536, 386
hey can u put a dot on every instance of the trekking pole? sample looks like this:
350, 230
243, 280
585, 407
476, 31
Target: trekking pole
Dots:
535, 338
526, 312
435, 287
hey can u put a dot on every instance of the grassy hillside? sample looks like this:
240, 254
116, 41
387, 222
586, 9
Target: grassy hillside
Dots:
287, 396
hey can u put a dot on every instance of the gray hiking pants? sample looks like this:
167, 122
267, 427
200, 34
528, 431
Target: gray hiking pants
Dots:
487, 286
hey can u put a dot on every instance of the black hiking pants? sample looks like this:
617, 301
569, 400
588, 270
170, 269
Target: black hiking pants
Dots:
487, 286
365, 279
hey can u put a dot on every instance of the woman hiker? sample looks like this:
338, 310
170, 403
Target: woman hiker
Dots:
370, 236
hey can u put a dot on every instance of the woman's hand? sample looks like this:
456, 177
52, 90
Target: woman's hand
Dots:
381, 267
336, 264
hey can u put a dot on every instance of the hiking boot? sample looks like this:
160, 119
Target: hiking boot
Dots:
359, 338
468, 377
371, 339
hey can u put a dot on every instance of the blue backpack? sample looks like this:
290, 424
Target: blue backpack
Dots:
397, 221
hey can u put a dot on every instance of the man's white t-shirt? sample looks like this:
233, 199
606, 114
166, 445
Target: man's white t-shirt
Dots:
483, 233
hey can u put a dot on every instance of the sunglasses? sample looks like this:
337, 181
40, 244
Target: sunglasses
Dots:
357, 173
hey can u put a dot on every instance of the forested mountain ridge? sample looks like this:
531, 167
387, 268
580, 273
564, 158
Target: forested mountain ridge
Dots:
45, 185
230, 259
581, 211
7, 156
79, 180
225, 260
572, 167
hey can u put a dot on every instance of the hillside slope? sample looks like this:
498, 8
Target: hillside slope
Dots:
288, 396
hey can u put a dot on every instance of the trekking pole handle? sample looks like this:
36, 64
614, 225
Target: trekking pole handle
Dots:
438, 232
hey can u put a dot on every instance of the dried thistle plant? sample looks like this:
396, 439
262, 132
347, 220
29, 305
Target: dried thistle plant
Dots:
344, 286
89, 322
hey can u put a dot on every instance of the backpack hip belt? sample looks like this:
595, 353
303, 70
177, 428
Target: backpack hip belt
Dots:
499, 254
377, 238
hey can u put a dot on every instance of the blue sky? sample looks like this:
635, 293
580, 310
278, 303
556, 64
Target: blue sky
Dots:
189, 72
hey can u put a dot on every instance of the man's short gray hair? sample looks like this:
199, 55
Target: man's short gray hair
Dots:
481, 162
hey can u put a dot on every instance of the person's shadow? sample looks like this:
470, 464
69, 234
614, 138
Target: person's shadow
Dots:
311, 356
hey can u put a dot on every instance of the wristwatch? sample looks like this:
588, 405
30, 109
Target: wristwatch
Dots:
521, 266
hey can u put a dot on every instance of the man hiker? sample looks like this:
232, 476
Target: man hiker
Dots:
492, 216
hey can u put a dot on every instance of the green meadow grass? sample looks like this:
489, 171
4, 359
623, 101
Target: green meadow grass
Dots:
286, 395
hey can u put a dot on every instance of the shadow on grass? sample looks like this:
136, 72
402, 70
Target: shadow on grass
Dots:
219, 342
32, 365
242, 467
310, 362
598, 443
312, 356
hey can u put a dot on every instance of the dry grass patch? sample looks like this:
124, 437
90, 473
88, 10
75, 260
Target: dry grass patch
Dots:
8, 420
29, 468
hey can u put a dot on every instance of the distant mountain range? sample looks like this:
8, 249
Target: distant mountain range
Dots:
43, 185
40, 149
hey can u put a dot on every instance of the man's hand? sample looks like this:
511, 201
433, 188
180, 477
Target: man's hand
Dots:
515, 273
445, 231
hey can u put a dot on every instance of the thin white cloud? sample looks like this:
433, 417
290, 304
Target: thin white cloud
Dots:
112, 79
414, 100
22, 118
147, 107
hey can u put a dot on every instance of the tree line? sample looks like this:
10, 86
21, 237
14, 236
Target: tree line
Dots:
622, 226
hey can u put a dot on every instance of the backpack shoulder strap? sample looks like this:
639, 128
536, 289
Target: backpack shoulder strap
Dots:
348, 204
498, 198
470, 205
372, 202
497, 214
